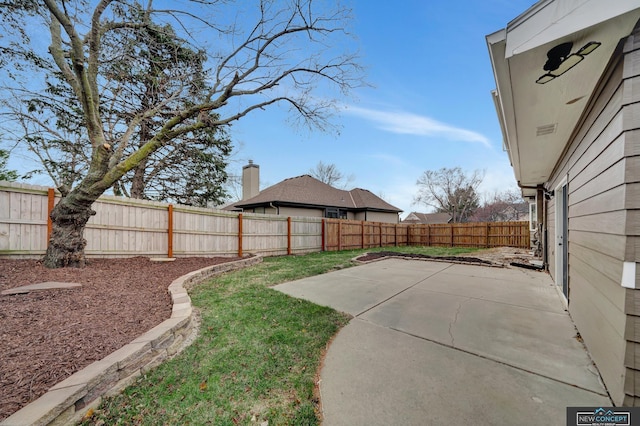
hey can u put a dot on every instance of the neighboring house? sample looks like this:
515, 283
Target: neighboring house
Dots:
568, 101
427, 218
306, 196
501, 212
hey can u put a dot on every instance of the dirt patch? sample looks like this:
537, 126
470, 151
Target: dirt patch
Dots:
498, 256
50, 334
382, 254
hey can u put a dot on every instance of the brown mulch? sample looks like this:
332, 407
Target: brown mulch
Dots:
48, 335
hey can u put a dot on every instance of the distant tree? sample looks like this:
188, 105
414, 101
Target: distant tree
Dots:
450, 190
329, 174
6, 174
502, 206
233, 188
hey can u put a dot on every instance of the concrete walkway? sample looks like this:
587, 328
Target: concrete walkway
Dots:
438, 343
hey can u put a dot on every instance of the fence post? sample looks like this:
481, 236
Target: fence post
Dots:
51, 199
451, 235
428, 236
239, 234
395, 234
323, 236
170, 231
289, 235
339, 235
380, 232
487, 231
362, 225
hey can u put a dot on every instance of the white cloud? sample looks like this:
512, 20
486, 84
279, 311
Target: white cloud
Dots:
413, 124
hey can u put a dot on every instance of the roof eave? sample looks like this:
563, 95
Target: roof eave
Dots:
517, 54
502, 96
314, 206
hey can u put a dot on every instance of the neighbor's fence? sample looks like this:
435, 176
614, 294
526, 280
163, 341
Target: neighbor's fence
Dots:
125, 227
351, 234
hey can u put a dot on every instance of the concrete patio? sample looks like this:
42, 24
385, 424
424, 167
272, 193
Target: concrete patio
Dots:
443, 343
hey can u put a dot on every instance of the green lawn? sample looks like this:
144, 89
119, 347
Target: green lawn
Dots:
256, 356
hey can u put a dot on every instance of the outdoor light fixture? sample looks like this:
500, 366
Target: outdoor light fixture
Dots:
560, 59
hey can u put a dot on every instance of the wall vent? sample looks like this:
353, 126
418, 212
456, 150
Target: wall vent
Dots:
547, 129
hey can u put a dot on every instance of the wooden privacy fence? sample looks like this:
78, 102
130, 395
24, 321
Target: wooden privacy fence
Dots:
351, 234
125, 227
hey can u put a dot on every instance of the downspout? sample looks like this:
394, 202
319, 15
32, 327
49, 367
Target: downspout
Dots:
275, 207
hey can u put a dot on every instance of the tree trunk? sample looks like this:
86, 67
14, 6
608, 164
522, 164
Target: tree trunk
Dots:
69, 218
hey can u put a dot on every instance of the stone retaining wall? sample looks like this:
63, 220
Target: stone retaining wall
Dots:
68, 401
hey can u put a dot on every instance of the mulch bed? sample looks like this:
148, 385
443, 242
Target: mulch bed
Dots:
48, 335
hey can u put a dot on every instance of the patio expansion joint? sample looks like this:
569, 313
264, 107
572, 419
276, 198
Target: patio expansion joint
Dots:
400, 292
606, 395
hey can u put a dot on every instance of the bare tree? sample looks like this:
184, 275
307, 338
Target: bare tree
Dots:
329, 174
501, 206
287, 52
450, 191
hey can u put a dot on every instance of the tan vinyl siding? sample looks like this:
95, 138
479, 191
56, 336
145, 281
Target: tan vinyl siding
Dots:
605, 121
599, 320
601, 166
377, 217
293, 211
608, 244
609, 201
632, 143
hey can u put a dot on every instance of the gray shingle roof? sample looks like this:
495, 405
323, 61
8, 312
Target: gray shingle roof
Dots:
307, 190
427, 218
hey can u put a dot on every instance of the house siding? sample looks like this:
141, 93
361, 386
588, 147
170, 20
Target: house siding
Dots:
602, 170
631, 113
309, 212
377, 217
296, 211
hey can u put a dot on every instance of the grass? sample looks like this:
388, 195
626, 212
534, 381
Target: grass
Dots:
256, 356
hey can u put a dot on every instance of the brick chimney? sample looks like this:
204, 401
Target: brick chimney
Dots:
250, 180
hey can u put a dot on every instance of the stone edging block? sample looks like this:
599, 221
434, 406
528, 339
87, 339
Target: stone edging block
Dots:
69, 400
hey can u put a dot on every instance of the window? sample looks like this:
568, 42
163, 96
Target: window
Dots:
533, 217
335, 213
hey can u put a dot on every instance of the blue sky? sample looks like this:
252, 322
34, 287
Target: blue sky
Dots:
430, 106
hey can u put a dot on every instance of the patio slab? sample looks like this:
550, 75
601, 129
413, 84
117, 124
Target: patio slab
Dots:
376, 376
442, 343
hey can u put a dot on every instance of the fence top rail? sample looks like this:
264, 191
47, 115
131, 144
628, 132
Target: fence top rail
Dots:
472, 224
24, 187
